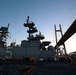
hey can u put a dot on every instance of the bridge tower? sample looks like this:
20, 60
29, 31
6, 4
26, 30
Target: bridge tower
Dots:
59, 50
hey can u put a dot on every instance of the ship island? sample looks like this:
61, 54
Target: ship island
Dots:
30, 49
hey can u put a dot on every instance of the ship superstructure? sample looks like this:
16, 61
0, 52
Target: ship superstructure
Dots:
3, 36
30, 48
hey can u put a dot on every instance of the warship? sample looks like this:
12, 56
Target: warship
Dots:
32, 47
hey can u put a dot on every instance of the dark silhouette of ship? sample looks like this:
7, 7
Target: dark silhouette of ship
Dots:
30, 48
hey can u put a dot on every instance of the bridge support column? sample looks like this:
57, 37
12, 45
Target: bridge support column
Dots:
58, 50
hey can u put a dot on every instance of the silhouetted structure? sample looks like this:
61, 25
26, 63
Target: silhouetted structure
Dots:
58, 51
32, 30
3, 35
31, 48
71, 30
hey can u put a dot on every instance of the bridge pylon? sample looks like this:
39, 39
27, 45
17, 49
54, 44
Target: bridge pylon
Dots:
59, 50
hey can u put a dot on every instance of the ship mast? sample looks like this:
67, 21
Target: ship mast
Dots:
3, 36
32, 29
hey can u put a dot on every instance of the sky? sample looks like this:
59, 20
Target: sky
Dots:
44, 13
